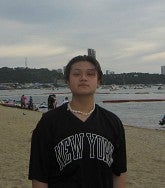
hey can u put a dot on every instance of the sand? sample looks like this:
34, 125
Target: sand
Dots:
145, 151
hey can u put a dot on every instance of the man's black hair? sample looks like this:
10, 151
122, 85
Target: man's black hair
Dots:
83, 58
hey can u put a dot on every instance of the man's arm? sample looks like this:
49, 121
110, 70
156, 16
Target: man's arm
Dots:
119, 181
38, 184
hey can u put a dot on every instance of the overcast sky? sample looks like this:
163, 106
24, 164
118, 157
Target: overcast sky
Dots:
127, 35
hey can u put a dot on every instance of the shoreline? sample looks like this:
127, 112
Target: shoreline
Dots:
145, 151
160, 128
41, 110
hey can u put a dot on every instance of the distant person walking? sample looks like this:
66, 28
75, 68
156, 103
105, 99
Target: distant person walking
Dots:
52, 103
66, 100
23, 101
30, 104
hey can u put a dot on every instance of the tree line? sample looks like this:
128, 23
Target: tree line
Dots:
43, 75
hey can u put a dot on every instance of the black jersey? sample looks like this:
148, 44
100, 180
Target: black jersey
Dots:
67, 152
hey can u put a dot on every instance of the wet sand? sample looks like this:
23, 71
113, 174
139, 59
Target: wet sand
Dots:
145, 151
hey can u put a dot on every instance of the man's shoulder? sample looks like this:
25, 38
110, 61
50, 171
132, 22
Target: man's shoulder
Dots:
109, 116
51, 116
56, 112
105, 111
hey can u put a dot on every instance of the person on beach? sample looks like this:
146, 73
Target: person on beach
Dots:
79, 144
66, 100
30, 103
52, 102
23, 101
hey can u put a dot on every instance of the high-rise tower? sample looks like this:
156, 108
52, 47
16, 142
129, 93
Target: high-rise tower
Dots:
92, 52
163, 70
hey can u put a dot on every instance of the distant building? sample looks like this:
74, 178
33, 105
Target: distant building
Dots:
107, 72
64, 69
163, 70
59, 70
92, 52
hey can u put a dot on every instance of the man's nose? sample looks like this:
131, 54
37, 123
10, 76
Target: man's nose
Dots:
83, 76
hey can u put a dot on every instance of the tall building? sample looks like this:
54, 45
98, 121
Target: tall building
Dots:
64, 69
59, 70
92, 52
108, 72
163, 70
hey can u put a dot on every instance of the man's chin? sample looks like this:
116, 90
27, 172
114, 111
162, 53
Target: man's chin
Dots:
85, 93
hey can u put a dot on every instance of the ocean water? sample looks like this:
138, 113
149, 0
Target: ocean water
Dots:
139, 114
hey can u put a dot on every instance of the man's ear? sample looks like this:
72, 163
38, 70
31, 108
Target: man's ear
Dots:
67, 82
98, 83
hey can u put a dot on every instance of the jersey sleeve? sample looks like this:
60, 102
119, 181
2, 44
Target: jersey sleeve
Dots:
120, 162
39, 154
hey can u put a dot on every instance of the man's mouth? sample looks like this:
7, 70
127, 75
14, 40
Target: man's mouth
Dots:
83, 85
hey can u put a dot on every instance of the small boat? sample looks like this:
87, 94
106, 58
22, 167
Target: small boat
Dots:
161, 88
10, 103
42, 105
162, 122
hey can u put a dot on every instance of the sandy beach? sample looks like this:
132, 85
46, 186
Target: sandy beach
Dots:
145, 151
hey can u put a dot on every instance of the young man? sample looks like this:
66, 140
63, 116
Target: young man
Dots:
79, 144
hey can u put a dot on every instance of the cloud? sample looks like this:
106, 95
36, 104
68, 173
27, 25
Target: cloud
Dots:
159, 56
30, 50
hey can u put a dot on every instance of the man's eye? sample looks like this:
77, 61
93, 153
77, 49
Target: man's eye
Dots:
91, 73
76, 74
